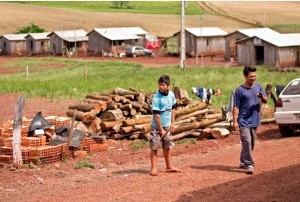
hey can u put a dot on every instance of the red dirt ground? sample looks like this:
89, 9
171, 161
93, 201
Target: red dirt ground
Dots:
209, 169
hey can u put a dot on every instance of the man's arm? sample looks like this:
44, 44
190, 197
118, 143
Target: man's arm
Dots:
235, 117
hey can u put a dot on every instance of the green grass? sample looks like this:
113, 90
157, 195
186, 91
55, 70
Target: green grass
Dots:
138, 144
286, 28
68, 82
84, 164
147, 7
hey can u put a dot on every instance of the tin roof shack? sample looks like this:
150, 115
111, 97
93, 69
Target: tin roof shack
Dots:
232, 38
13, 44
38, 43
274, 50
68, 41
106, 40
199, 40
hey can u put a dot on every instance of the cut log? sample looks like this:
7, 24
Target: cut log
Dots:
134, 136
145, 136
140, 98
185, 134
185, 111
144, 128
117, 127
219, 132
125, 112
129, 97
126, 107
120, 91
180, 93
136, 105
132, 112
126, 130
112, 106
119, 136
193, 103
81, 126
136, 121
94, 127
103, 104
85, 117
196, 113
85, 107
108, 125
99, 97
112, 115
188, 120
210, 116
195, 125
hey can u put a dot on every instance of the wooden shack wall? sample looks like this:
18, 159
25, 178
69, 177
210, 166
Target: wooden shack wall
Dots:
41, 46
230, 45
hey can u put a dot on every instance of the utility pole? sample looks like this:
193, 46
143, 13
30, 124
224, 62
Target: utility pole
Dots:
201, 41
182, 39
75, 38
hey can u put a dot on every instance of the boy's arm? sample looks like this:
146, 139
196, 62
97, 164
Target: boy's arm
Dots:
158, 123
235, 117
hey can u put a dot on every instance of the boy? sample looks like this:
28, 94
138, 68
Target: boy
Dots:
163, 109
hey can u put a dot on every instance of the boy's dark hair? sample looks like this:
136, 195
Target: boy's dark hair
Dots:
248, 69
164, 79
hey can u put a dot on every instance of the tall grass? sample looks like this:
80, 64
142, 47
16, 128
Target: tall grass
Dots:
147, 7
68, 80
286, 28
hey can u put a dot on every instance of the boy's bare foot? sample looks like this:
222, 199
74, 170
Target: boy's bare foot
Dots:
153, 172
173, 170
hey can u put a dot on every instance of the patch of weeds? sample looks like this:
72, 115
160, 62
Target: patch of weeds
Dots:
84, 164
186, 141
138, 144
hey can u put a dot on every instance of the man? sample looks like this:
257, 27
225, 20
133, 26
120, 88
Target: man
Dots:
205, 93
163, 108
246, 115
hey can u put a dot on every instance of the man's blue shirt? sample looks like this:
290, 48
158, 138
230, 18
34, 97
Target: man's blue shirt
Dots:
248, 103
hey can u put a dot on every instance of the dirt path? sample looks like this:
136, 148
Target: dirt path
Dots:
209, 168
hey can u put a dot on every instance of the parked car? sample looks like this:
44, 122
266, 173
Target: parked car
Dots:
287, 114
134, 51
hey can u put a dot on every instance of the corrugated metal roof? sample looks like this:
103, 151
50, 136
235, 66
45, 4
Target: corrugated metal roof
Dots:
206, 31
71, 35
258, 31
277, 39
39, 36
121, 33
15, 37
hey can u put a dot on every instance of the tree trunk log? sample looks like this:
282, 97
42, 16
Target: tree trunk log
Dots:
17, 128
136, 121
85, 107
187, 120
144, 128
196, 113
99, 97
85, 117
120, 91
126, 130
185, 134
112, 115
219, 132
130, 97
108, 125
126, 107
185, 111
103, 104
94, 127
195, 125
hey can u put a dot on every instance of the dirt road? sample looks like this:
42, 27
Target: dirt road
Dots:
209, 173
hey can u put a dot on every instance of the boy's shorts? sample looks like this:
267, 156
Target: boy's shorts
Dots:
157, 142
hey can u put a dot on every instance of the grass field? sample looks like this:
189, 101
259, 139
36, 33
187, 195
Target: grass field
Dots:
68, 81
146, 7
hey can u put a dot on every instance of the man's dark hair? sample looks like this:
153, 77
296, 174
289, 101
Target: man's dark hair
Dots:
248, 69
164, 79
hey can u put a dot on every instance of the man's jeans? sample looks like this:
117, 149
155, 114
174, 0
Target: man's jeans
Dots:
248, 139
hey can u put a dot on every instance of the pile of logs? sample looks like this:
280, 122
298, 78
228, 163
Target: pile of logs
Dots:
126, 114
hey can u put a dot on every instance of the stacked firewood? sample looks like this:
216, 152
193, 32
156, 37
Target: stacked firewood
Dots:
126, 114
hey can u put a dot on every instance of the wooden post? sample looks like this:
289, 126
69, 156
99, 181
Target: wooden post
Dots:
84, 72
17, 127
71, 128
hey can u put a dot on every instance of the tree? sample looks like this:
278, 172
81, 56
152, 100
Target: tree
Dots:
32, 28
